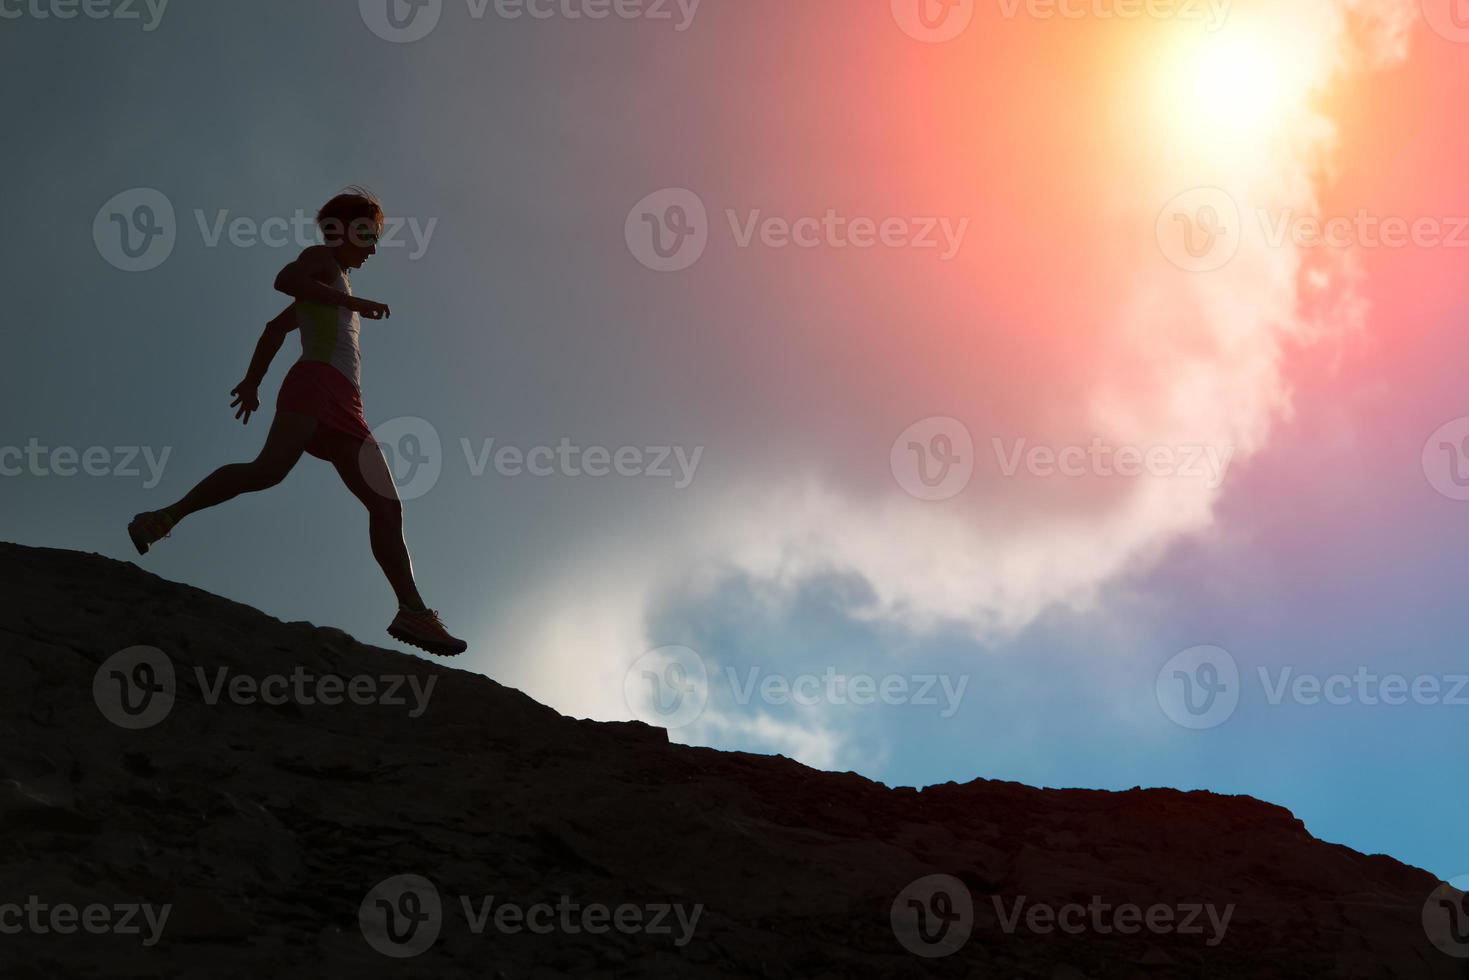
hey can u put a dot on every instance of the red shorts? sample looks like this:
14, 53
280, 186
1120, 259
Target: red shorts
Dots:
317, 389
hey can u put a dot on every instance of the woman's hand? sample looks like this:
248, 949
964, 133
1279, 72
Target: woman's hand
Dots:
369, 309
247, 400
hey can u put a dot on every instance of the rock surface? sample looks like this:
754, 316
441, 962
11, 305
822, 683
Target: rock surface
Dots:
267, 829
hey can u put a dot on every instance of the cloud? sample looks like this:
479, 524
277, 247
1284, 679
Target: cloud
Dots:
1170, 357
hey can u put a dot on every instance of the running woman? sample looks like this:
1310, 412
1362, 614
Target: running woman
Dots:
319, 410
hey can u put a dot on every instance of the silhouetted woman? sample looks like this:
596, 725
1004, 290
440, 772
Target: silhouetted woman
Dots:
319, 409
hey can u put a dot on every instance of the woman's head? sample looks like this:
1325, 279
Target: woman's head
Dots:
350, 225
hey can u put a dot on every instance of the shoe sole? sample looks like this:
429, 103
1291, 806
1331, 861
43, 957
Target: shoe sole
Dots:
138, 542
437, 649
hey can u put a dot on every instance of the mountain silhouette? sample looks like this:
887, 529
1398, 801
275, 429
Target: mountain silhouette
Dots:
164, 748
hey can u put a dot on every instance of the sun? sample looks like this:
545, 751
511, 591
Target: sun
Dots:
1237, 83
1238, 87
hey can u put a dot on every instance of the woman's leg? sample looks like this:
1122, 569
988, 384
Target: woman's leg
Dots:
365, 472
290, 433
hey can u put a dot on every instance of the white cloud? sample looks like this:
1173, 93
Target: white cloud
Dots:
1183, 358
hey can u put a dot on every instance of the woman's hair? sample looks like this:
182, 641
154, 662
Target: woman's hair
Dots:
350, 216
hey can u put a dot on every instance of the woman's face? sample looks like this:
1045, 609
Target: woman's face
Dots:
361, 242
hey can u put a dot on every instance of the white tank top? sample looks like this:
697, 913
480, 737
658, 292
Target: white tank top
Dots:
329, 334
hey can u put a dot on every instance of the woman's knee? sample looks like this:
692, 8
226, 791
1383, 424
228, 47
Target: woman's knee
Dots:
386, 509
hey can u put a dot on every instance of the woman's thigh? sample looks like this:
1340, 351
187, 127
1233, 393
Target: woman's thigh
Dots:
290, 433
363, 469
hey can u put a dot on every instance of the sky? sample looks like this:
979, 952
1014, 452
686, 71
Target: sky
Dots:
1067, 393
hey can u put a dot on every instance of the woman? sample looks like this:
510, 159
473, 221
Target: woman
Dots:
319, 410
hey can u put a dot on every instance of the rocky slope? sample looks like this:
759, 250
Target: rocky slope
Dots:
249, 829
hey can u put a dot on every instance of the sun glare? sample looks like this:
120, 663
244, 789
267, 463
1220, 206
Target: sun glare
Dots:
1238, 87
1236, 83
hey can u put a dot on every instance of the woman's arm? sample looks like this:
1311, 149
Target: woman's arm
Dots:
275, 334
247, 392
304, 279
